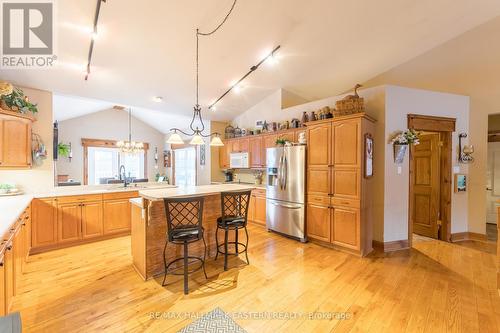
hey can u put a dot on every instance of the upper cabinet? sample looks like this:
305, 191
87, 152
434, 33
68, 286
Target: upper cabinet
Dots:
15, 140
346, 139
255, 150
319, 145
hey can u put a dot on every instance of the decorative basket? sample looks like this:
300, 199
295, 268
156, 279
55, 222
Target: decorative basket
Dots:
349, 106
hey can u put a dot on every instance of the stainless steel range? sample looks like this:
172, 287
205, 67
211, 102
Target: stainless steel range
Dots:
285, 204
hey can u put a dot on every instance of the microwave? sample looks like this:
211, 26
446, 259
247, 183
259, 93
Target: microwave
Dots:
239, 161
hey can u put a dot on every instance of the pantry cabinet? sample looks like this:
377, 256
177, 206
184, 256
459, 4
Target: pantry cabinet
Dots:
338, 195
15, 140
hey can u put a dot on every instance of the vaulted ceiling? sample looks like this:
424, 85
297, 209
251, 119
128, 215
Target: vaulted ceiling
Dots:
147, 48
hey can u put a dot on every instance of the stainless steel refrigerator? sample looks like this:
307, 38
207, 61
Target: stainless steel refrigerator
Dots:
285, 192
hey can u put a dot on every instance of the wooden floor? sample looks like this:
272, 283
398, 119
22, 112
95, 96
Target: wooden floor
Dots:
435, 287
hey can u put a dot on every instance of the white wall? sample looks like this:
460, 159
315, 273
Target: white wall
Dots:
399, 103
109, 124
39, 177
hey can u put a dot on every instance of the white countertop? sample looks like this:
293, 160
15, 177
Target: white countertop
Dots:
136, 202
11, 208
186, 191
97, 189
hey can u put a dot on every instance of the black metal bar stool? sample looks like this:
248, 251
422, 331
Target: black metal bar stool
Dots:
184, 226
234, 209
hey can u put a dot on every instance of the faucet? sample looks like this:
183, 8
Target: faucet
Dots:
124, 175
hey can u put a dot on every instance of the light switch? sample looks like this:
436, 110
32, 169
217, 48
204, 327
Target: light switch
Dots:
456, 169
400, 169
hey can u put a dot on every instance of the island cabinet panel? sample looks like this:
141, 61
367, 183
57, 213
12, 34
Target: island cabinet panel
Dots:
69, 222
255, 150
338, 194
116, 216
318, 222
15, 143
138, 240
44, 223
92, 220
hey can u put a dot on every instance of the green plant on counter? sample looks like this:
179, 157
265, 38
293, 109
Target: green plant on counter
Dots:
18, 101
63, 149
280, 142
6, 187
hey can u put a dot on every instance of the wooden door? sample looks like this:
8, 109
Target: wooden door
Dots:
116, 216
69, 222
319, 146
92, 225
424, 178
9, 276
16, 143
44, 222
318, 222
268, 141
260, 210
346, 227
255, 149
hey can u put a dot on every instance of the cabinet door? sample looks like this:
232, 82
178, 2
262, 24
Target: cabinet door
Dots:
16, 143
116, 216
255, 149
318, 222
287, 135
223, 156
346, 137
251, 208
44, 222
318, 180
243, 145
9, 276
260, 210
268, 141
17, 253
345, 225
346, 182
69, 222
319, 145
92, 225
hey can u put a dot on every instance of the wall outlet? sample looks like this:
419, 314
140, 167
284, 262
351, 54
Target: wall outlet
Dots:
456, 169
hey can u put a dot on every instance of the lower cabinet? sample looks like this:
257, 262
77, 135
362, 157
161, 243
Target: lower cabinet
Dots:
117, 216
69, 221
257, 207
334, 224
92, 220
44, 222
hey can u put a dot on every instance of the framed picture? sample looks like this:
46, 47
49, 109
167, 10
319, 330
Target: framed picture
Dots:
368, 155
259, 124
460, 183
167, 159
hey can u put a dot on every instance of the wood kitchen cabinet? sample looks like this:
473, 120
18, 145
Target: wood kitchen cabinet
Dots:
287, 135
92, 220
255, 150
224, 155
268, 141
69, 222
3, 310
116, 216
44, 223
257, 206
15, 140
8, 275
339, 199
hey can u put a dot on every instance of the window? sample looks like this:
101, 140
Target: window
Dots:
102, 161
185, 166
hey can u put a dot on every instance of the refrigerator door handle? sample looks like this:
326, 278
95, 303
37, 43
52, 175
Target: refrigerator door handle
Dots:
286, 206
280, 165
285, 171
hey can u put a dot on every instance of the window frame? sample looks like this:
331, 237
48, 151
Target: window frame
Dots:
177, 146
86, 143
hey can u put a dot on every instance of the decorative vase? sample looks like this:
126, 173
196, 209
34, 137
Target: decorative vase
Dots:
399, 153
305, 118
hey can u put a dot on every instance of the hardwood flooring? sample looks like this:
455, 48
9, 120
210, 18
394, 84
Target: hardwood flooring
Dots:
434, 287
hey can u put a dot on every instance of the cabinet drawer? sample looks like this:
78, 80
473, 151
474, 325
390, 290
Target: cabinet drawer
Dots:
259, 192
79, 198
120, 195
318, 200
345, 202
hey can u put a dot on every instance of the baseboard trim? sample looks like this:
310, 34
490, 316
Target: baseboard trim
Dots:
391, 246
465, 236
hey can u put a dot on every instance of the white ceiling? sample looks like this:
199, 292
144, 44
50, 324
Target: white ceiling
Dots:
147, 48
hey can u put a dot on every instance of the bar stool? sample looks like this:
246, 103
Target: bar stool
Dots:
234, 209
184, 226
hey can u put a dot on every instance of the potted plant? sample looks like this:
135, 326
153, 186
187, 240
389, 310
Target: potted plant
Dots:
280, 142
16, 100
401, 141
63, 149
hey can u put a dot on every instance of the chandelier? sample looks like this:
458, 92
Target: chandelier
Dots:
197, 132
129, 146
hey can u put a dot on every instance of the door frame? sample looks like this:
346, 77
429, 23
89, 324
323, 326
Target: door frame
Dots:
445, 127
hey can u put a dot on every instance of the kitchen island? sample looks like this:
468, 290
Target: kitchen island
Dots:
149, 225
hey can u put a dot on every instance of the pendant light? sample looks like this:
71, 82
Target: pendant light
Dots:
197, 132
129, 146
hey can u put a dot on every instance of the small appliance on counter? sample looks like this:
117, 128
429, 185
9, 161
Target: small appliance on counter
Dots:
229, 175
285, 191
